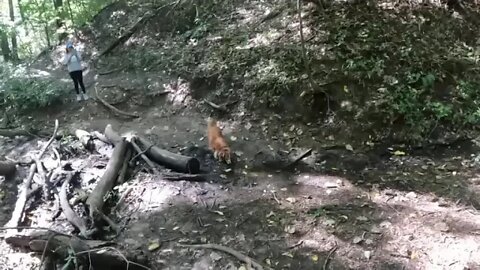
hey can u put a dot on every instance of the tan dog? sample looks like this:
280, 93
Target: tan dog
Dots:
217, 143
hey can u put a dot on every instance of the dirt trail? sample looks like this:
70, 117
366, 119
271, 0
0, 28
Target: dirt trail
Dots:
360, 217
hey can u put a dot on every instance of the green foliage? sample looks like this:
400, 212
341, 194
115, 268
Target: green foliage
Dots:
40, 19
407, 62
21, 93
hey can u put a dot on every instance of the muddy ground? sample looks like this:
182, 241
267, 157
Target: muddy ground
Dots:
362, 207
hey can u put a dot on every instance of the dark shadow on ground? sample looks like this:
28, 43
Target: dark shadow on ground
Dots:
255, 228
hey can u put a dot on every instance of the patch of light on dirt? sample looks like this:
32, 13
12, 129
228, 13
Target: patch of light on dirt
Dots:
389, 5
260, 39
323, 181
454, 252
307, 31
15, 260
147, 195
247, 15
179, 92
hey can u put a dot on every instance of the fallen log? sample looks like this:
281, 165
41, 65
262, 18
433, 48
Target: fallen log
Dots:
123, 171
144, 157
112, 136
7, 168
70, 215
85, 138
17, 213
92, 254
96, 199
100, 136
24, 193
170, 160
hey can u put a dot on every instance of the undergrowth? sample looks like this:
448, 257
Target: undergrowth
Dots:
417, 66
20, 92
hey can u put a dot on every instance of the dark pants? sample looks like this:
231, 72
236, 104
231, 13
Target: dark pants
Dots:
77, 78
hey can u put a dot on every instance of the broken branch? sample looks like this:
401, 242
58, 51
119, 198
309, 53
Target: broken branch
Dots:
111, 135
96, 199
70, 215
94, 253
144, 157
111, 107
222, 107
298, 159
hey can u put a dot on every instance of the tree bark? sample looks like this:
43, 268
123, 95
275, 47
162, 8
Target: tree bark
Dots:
60, 21
7, 168
170, 160
13, 37
96, 199
6, 53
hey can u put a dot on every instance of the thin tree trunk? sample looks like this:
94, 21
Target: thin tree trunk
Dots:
47, 35
70, 12
5, 46
60, 21
14, 52
22, 15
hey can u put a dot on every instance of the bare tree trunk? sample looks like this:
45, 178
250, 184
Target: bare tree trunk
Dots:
5, 46
14, 52
22, 14
60, 21
70, 12
47, 35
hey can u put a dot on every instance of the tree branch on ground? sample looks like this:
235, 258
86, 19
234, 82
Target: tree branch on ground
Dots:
111, 107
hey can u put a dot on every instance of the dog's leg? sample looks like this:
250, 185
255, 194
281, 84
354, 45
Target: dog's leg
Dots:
215, 154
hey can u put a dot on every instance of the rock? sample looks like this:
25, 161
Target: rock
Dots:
215, 256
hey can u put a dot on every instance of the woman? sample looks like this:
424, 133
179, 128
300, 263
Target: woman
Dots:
73, 61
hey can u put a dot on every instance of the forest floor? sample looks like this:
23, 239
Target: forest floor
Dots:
346, 206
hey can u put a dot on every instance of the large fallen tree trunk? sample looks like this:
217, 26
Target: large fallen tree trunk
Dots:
96, 199
112, 136
7, 168
85, 138
170, 160
93, 253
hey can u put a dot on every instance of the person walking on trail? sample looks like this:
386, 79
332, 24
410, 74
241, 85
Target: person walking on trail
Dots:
73, 61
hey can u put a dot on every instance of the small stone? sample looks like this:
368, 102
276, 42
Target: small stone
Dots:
215, 256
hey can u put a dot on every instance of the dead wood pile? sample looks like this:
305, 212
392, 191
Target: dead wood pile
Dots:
83, 247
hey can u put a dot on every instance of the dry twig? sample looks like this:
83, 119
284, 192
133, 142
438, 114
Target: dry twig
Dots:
230, 251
